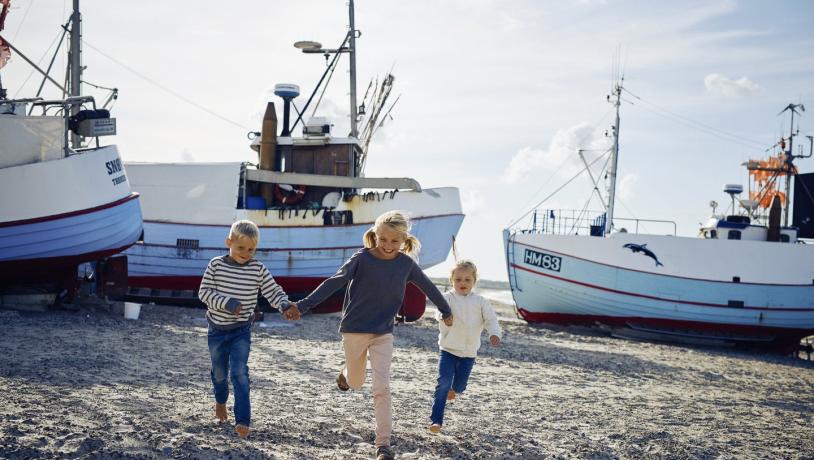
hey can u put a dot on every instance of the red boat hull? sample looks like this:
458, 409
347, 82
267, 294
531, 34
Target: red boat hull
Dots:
785, 340
181, 289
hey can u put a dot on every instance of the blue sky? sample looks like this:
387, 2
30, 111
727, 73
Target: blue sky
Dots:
496, 96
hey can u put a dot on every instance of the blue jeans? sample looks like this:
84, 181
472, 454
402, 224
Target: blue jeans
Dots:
229, 351
453, 373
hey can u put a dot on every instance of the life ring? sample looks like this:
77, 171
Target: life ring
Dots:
289, 194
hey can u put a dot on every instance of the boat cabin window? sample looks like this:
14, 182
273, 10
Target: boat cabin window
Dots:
710, 234
784, 238
734, 235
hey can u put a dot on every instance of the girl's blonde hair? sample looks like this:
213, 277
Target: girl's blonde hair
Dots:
394, 220
245, 229
464, 264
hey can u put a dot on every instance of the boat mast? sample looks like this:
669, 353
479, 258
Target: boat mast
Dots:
789, 160
614, 157
348, 46
75, 65
352, 45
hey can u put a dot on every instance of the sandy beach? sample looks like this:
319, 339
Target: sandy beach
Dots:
90, 384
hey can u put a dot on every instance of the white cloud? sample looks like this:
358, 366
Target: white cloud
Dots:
724, 86
519, 166
561, 154
627, 186
473, 202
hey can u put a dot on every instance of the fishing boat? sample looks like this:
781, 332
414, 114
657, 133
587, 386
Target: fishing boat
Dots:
64, 198
308, 194
746, 279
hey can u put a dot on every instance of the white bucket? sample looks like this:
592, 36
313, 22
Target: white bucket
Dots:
131, 310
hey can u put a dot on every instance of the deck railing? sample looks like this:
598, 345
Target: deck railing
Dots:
578, 222
60, 108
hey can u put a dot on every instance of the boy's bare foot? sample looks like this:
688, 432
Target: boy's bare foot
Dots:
451, 395
220, 412
242, 431
435, 428
342, 382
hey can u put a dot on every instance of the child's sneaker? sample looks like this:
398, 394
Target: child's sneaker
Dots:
435, 428
451, 395
220, 412
384, 453
242, 431
342, 382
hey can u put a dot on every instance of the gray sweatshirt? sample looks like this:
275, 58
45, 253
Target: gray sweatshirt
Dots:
375, 291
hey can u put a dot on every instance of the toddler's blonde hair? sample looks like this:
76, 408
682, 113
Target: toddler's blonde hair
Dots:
394, 220
464, 264
244, 229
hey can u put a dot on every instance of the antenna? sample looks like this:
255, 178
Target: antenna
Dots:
732, 190
614, 160
793, 108
714, 205
348, 46
288, 92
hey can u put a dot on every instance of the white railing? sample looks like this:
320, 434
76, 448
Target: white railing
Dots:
581, 222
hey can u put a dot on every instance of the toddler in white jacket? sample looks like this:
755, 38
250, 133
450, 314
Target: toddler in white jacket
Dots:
460, 342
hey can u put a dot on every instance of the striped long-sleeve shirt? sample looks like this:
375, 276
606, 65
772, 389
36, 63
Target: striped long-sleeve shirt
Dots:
227, 285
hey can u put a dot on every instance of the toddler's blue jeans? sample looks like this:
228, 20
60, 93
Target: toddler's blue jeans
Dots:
453, 373
229, 351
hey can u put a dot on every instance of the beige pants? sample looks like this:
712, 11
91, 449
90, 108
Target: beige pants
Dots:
380, 349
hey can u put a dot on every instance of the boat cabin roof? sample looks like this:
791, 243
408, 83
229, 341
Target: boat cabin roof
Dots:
309, 141
741, 228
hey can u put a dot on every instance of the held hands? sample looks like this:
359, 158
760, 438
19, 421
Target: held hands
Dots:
494, 340
292, 313
448, 321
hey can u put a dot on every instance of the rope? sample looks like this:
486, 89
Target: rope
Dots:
160, 86
694, 124
33, 69
334, 65
559, 188
22, 21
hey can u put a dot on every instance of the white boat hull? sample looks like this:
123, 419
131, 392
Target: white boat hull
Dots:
740, 290
188, 209
288, 252
63, 212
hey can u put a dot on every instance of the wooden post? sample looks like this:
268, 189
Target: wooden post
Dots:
268, 146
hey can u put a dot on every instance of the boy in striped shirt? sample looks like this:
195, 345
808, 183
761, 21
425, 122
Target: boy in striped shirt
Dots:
229, 289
